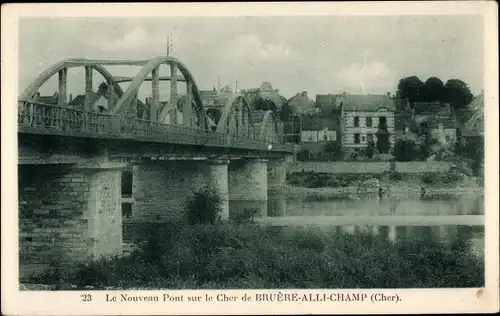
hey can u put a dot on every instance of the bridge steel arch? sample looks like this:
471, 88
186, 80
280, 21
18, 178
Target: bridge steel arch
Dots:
125, 101
29, 93
269, 128
236, 118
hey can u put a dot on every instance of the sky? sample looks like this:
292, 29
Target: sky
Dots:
317, 54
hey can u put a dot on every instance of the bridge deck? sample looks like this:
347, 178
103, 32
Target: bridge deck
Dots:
46, 119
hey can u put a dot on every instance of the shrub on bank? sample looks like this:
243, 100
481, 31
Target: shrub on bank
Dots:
204, 207
442, 178
250, 256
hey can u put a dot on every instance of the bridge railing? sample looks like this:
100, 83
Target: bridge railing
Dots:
40, 118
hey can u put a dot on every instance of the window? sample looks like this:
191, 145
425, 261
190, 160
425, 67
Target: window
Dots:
356, 138
370, 137
356, 121
447, 138
127, 183
369, 122
310, 138
382, 123
126, 210
363, 138
325, 137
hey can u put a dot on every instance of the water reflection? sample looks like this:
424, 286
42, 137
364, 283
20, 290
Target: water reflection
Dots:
464, 237
279, 205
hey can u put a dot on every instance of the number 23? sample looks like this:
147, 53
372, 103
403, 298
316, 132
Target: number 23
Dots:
86, 297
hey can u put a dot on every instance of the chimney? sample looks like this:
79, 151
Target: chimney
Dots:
70, 97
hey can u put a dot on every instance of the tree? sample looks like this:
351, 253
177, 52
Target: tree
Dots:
370, 149
264, 104
434, 90
405, 149
286, 112
333, 149
103, 88
383, 143
458, 93
411, 88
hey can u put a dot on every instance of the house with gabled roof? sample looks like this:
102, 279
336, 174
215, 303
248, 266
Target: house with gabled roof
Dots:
368, 118
301, 104
471, 125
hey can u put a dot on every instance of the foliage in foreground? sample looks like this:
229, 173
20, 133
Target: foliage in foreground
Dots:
231, 256
204, 207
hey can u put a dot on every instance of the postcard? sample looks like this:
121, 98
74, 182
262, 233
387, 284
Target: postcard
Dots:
250, 158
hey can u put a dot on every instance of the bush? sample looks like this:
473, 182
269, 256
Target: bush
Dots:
245, 216
204, 207
303, 155
248, 256
395, 176
442, 177
405, 150
370, 150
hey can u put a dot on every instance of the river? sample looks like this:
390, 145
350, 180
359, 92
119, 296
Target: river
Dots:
447, 221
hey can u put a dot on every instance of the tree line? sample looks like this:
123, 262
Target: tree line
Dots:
454, 91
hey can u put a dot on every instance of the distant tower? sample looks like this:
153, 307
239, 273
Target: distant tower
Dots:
170, 45
218, 83
236, 89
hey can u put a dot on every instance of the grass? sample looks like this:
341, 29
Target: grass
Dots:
249, 256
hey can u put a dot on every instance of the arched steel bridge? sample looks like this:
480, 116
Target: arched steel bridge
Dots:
122, 121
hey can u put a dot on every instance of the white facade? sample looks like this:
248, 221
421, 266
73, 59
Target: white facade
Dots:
447, 137
322, 135
358, 130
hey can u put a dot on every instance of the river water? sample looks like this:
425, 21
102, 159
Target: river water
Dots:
447, 221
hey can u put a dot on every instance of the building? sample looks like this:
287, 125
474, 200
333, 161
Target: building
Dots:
214, 101
470, 133
403, 118
368, 118
328, 106
423, 111
301, 104
267, 92
47, 99
318, 129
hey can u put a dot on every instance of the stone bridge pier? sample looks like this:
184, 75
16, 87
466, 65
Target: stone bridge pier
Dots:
248, 187
68, 213
162, 188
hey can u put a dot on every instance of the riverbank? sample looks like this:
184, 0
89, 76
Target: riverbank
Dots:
227, 256
390, 190
354, 186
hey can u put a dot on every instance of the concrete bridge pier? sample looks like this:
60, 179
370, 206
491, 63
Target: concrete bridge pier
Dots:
248, 187
68, 213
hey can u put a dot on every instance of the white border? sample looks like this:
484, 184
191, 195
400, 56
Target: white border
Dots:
413, 301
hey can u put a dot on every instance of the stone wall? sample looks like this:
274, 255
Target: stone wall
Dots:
369, 167
422, 166
340, 167
67, 214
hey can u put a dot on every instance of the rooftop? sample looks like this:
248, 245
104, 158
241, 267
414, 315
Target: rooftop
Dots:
266, 86
317, 122
368, 102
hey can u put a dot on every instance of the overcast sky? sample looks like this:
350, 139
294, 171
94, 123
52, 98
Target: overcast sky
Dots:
328, 54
